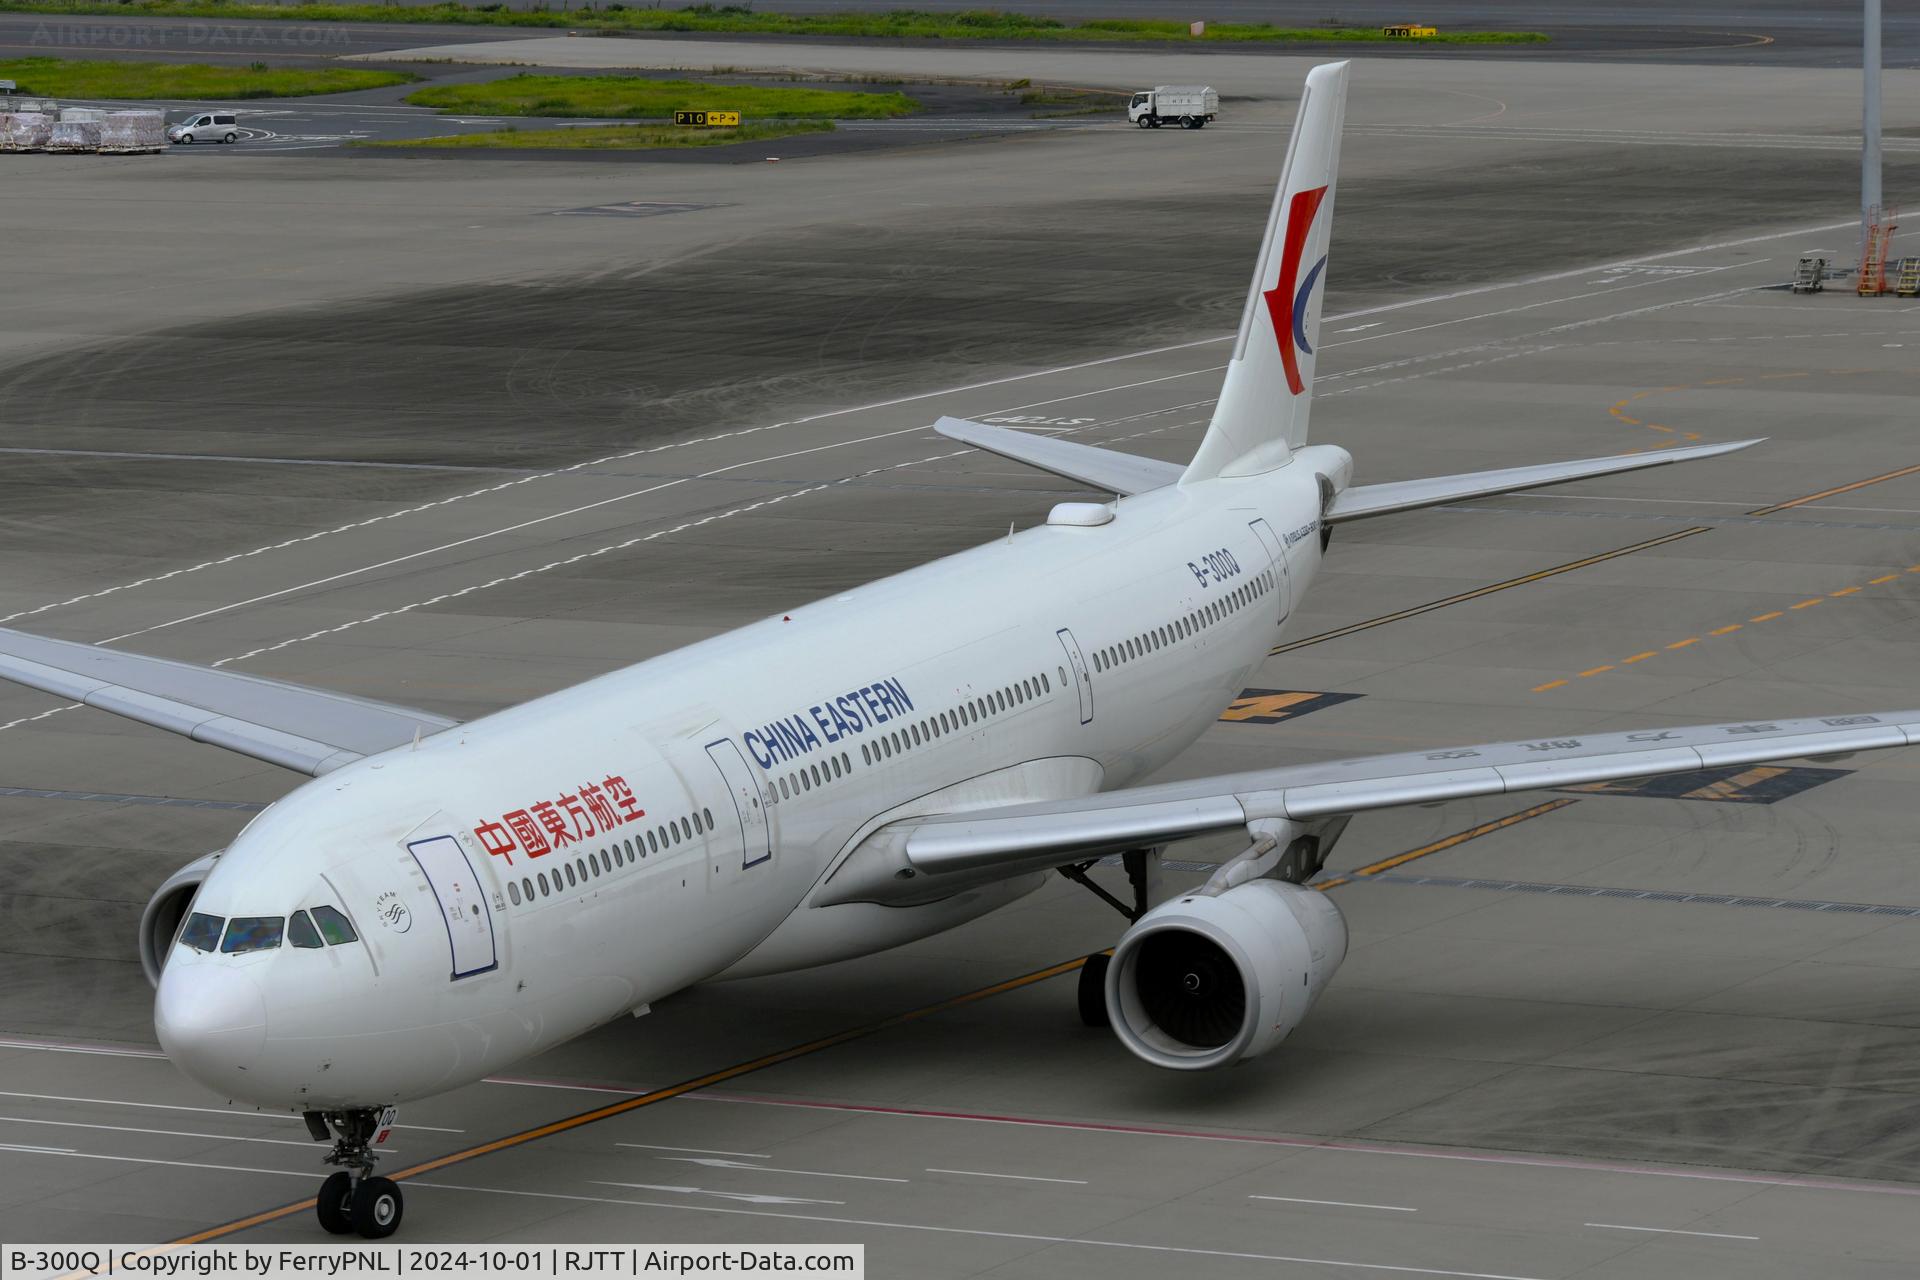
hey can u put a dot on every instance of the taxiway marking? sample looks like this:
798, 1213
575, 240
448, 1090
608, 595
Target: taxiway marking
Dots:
1453, 841
173, 1106
1669, 1231
1189, 1251
698, 1151
1381, 309
709, 1163
654, 1096
1339, 1204
1015, 1177
165, 1133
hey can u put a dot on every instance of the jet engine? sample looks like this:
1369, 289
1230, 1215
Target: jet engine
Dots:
1210, 980
160, 922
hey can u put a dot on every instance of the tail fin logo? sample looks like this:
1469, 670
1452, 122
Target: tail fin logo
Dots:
1287, 300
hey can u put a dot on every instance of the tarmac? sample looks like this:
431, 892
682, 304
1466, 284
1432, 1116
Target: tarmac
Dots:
369, 433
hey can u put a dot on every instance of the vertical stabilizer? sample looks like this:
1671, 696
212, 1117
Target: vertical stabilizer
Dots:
1262, 412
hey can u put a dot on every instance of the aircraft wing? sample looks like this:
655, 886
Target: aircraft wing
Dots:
1361, 500
310, 731
1121, 473
1016, 839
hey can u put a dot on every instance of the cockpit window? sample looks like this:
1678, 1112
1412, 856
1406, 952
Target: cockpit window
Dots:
300, 931
334, 926
252, 933
202, 932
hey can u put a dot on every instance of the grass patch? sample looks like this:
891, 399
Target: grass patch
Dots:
611, 137
77, 78
635, 97
978, 24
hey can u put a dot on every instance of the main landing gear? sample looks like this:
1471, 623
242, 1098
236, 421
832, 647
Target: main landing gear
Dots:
1143, 873
355, 1201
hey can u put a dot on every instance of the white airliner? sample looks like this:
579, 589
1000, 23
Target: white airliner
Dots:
443, 899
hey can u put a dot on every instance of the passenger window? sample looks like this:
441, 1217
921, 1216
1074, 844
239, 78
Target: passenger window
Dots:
252, 933
543, 884
709, 816
653, 842
202, 932
293, 932
571, 878
334, 926
526, 888
629, 850
806, 784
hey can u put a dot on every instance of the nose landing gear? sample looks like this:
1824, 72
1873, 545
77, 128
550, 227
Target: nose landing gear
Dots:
355, 1200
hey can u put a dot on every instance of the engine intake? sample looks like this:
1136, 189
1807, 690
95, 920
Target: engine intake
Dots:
166, 910
1210, 980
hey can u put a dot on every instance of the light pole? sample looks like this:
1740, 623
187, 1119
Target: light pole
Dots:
1869, 121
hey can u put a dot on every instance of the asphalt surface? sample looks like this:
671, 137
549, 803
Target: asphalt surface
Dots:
1527, 1067
1767, 33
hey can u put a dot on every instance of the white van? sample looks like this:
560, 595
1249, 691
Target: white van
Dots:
208, 126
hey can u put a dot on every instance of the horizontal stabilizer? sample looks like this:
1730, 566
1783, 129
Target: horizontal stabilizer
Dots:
1364, 500
310, 731
1121, 473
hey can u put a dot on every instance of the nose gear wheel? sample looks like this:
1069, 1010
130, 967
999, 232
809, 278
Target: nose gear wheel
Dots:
355, 1201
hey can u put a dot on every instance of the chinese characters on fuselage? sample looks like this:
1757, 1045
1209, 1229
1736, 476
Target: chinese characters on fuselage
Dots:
550, 825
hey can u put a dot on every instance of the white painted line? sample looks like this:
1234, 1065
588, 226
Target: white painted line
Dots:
1339, 1204
1332, 1147
558, 1084
750, 1197
761, 1168
698, 1151
44, 1046
212, 1111
170, 1164
1670, 1231
945, 391
167, 1133
1018, 1177
981, 1233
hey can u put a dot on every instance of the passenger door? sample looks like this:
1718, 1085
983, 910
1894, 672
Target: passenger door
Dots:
1276, 554
461, 896
743, 789
1082, 677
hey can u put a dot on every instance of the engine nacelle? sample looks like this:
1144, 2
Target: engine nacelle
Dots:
1210, 980
166, 909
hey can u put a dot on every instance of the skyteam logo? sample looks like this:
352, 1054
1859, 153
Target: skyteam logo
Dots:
1287, 300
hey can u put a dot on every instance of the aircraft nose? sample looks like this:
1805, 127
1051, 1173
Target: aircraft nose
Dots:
212, 1021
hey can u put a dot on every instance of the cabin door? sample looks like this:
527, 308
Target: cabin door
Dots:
457, 888
743, 790
1077, 668
1284, 589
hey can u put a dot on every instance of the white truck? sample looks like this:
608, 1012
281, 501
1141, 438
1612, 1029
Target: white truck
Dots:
1189, 105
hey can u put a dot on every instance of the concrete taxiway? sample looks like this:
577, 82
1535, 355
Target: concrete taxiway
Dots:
417, 436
